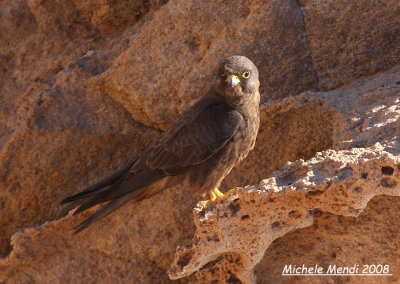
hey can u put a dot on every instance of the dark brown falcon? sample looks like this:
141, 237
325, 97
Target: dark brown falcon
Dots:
199, 149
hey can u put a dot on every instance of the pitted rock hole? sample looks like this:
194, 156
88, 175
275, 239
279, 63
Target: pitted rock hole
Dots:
387, 170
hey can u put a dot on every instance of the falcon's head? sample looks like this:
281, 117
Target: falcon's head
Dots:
238, 81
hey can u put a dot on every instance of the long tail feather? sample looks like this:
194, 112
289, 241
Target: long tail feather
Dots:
129, 183
118, 189
107, 209
98, 187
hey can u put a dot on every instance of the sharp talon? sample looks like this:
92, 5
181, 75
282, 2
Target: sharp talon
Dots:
218, 193
217, 196
231, 191
213, 196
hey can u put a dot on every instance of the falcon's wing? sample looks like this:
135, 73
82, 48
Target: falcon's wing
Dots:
199, 133
195, 136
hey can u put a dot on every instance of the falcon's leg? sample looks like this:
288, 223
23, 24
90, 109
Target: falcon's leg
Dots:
217, 196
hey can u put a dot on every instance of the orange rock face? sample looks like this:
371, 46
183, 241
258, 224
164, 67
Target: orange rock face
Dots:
85, 85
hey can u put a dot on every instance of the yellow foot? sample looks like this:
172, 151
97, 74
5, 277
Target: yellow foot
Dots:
217, 196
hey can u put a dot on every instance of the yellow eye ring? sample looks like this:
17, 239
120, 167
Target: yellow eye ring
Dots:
223, 75
246, 74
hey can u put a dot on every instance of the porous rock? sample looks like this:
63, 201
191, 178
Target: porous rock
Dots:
84, 86
341, 182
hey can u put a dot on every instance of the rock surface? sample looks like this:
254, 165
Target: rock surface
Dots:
85, 86
340, 182
159, 76
351, 38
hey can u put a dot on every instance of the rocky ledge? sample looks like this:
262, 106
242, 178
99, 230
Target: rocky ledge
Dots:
85, 86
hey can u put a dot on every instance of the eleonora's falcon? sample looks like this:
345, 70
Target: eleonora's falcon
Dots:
199, 149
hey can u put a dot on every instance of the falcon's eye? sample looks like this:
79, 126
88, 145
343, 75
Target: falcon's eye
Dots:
246, 74
223, 75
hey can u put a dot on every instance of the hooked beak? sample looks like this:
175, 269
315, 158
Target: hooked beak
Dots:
233, 80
